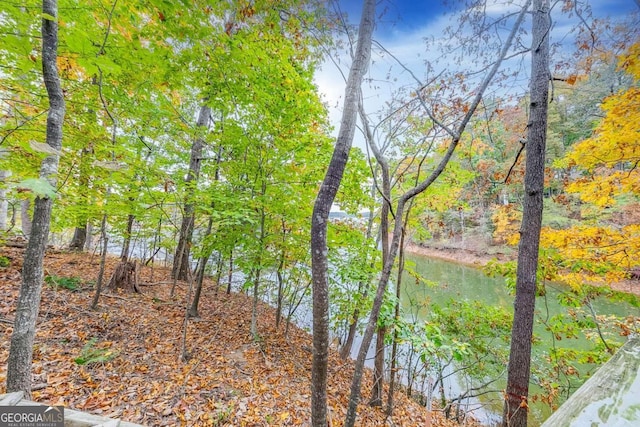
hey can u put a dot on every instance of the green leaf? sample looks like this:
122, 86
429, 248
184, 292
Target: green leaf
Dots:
48, 17
39, 186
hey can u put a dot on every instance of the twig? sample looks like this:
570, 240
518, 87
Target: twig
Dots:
515, 162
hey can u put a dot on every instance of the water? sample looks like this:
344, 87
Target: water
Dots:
459, 282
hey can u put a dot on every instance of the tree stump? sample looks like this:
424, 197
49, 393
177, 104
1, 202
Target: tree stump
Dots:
124, 277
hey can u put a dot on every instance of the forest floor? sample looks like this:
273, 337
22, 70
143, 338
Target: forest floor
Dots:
123, 359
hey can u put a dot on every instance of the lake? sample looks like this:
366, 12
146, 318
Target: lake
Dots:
460, 282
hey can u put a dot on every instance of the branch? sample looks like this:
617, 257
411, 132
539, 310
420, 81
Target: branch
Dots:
523, 143
106, 34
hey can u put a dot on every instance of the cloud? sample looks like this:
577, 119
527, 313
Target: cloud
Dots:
408, 44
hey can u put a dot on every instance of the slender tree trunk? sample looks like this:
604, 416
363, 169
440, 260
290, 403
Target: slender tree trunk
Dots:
405, 198
25, 218
126, 245
4, 204
321, 208
24, 329
280, 289
515, 408
180, 270
230, 272
79, 238
394, 346
193, 310
258, 271
219, 265
345, 351
103, 262
378, 364
378, 368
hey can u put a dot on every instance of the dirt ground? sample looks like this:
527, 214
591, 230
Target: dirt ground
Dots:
123, 360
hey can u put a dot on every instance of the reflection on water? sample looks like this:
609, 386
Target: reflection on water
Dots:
460, 282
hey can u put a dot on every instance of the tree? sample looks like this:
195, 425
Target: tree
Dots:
605, 246
21, 350
515, 407
321, 208
182, 263
403, 202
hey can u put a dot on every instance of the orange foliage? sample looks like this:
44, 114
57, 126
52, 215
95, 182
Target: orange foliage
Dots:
229, 380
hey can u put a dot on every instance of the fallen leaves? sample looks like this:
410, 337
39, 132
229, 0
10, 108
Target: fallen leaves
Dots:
229, 380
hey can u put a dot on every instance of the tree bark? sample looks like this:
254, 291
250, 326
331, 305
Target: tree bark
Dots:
515, 407
378, 368
258, 269
4, 204
79, 239
405, 198
25, 218
21, 348
321, 208
103, 261
126, 244
396, 315
181, 268
193, 310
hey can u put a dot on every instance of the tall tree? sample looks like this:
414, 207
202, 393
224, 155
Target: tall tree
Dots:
182, 264
515, 407
455, 132
319, 218
21, 349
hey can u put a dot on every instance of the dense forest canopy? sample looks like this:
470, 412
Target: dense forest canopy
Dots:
197, 134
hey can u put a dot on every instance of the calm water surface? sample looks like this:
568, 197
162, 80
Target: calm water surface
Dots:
460, 282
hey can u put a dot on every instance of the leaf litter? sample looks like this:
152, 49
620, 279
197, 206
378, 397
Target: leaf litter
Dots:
131, 352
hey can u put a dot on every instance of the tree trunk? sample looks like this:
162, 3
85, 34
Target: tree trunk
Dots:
378, 368
4, 203
181, 268
79, 238
345, 350
103, 261
24, 329
230, 272
125, 277
25, 218
515, 407
280, 297
405, 198
193, 310
126, 245
396, 315
321, 208
378, 364
258, 270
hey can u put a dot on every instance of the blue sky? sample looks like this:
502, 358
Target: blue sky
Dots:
402, 29
407, 16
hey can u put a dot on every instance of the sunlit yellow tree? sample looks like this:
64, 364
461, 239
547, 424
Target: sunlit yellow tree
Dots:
606, 245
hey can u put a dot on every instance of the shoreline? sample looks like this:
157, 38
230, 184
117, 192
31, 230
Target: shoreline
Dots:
458, 255
478, 260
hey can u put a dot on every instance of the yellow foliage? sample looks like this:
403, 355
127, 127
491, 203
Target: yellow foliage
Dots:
594, 253
611, 156
630, 62
506, 220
